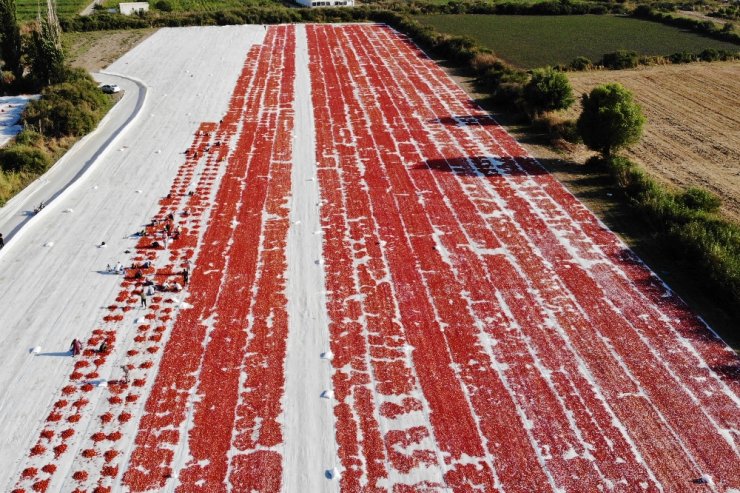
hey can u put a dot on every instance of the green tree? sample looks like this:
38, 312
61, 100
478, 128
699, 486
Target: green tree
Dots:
10, 39
548, 90
610, 119
46, 53
620, 59
24, 158
70, 108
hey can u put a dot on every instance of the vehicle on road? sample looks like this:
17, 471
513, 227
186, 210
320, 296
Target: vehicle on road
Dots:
110, 88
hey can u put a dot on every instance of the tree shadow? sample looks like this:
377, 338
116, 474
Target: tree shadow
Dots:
464, 120
57, 353
483, 166
728, 372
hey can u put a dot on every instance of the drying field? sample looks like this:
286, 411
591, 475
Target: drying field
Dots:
386, 294
561, 38
692, 136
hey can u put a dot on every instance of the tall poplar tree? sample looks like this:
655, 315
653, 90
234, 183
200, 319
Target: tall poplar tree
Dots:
10, 39
47, 60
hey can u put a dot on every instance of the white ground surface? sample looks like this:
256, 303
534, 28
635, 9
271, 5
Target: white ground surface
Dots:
310, 444
11, 108
87, 153
51, 294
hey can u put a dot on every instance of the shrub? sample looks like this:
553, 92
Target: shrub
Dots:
706, 28
686, 229
69, 109
610, 119
28, 137
7, 81
24, 158
163, 5
482, 62
699, 199
508, 93
548, 90
682, 57
710, 55
581, 63
620, 59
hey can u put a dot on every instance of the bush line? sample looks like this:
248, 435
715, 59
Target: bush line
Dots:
687, 228
706, 28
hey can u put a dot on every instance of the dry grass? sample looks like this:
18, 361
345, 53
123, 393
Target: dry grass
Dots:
12, 183
95, 50
693, 132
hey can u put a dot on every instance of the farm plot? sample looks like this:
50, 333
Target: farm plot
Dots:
355, 224
561, 38
692, 135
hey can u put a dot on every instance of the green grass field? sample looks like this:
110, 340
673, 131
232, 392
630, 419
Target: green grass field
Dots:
26, 9
536, 41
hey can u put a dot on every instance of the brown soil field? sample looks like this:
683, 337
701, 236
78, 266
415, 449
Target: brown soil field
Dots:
692, 134
95, 50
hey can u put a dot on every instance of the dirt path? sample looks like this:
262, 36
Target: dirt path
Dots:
692, 135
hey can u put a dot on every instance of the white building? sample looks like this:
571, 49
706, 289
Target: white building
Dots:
129, 8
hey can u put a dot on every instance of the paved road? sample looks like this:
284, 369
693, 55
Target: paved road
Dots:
74, 164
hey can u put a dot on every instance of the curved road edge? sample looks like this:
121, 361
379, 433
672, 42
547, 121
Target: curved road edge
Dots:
76, 164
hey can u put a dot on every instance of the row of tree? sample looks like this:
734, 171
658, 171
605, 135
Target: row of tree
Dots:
34, 60
610, 119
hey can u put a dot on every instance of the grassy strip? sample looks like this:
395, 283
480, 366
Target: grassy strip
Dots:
686, 227
706, 28
13, 181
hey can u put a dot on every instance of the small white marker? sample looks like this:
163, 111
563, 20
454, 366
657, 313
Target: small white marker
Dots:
327, 394
327, 355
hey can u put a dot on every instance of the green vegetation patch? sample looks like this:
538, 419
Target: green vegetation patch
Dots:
198, 5
536, 41
26, 9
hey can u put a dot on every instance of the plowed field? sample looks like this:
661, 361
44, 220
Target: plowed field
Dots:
692, 136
